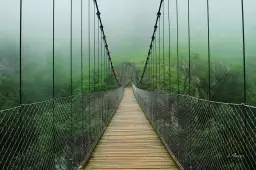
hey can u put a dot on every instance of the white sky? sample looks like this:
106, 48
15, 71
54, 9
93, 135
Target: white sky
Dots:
128, 24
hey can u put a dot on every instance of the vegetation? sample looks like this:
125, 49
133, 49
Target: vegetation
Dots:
40, 130
205, 135
58, 131
226, 78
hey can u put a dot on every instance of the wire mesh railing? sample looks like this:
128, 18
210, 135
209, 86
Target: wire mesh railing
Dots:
189, 96
58, 132
202, 134
49, 135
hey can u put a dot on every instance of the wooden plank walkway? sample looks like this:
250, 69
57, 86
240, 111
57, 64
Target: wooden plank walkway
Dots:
129, 142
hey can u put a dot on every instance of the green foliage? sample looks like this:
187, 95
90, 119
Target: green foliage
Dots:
36, 132
206, 138
60, 127
226, 78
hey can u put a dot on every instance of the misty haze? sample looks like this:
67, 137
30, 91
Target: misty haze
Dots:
55, 60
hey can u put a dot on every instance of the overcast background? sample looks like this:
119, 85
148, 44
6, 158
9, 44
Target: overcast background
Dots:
128, 25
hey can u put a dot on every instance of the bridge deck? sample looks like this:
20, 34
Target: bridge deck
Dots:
129, 142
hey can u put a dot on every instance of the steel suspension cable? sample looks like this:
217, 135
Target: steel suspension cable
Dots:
71, 47
94, 48
53, 78
89, 61
105, 66
209, 51
177, 50
189, 51
163, 52
159, 55
98, 53
94, 64
158, 64
101, 83
155, 50
101, 60
153, 66
245, 114
169, 52
244, 51
20, 55
89, 43
151, 70
53, 49
82, 76
156, 59
157, 74
81, 48
150, 46
153, 75
106, 44
71, 81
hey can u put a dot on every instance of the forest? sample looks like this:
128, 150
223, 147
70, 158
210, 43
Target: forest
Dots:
195, 128
55, 108
226, 86
31, 131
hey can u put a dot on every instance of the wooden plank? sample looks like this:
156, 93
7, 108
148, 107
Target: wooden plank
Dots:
130, 142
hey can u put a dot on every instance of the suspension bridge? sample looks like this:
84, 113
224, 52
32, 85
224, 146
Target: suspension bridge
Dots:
158, 121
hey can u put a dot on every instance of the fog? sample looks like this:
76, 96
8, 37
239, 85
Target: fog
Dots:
129, 25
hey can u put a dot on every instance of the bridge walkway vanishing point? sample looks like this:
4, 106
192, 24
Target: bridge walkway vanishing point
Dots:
130, 142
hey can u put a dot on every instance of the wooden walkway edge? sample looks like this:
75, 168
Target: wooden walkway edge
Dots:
130, 142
